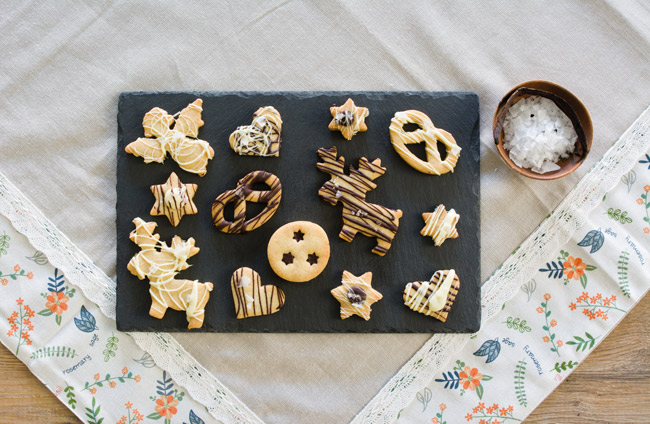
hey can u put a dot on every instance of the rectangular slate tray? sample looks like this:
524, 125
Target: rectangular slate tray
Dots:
309, 306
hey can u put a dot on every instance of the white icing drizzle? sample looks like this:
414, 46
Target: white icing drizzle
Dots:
161, 274
256, 137
440, 230
438, 298
430, 135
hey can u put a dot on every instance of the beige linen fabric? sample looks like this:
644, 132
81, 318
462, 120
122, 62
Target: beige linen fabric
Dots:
64, 64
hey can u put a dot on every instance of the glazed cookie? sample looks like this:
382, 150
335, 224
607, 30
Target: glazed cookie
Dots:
428, 134
356, 295
434, 297
349, 119
160, 263
440, 225
359, 216
181, 142
244, 193
299, 251
263, 137
251, 297
173, 199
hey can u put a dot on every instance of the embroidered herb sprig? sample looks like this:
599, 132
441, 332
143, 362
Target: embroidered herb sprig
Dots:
595, 306
520, 380
563, 366
111, 347
543, 309
623, 282
583, 344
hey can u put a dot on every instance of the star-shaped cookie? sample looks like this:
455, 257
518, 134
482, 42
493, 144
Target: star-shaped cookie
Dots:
349, 119
356, 295
173, 199
440, 224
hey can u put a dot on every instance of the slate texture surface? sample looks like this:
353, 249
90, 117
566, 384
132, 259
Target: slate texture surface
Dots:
309, 306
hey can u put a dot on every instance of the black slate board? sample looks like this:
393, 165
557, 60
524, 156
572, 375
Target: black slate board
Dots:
309, 306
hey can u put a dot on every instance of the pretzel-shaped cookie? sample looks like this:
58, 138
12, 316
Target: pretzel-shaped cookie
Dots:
430, 135
244, 193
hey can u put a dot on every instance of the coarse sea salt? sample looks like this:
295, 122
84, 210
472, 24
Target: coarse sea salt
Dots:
537, 134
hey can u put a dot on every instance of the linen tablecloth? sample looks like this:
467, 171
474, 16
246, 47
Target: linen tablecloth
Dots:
65, 64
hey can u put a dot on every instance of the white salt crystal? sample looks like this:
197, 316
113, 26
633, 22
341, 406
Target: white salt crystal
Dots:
537, 134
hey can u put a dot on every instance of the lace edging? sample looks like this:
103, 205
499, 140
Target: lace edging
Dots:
551, 234
167, 353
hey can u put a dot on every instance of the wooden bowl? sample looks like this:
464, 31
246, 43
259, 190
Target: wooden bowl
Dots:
569, 104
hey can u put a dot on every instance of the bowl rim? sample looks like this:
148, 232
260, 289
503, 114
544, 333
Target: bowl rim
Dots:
578, 108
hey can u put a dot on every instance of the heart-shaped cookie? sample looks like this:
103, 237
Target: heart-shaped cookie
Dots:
262, 137
251, 297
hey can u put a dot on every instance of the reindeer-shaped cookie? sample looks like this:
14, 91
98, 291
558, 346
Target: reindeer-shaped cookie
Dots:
160, 264
359, 216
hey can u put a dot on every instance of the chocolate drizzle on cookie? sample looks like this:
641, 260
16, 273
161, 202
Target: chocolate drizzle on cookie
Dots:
434, 297
244, 193
359, 216
251, 298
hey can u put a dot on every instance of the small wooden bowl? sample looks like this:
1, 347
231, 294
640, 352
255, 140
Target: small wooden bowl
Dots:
569, 104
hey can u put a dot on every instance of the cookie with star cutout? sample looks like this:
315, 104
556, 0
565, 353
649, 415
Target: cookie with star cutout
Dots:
349, 119
356, 295
298, 251
173, 199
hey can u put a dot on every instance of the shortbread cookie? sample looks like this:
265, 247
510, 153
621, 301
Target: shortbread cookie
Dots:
434, 297
440, 224
356, 295
299, 251
160, 264
263, 137
244, 193
251, 297
349, 119
191, 153
359, 216
428, 134
173, 199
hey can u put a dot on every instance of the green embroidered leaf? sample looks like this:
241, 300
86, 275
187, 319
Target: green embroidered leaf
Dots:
479, 391
154, 416
45, 313
583, 281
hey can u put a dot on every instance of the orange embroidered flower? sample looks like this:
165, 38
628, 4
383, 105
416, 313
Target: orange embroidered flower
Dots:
468, 417
166, 406
553, 323
443, 406
470, 378
613, 298
57, 302
646, 230
573, 306
96, 377
481, 406
434, 420
574, 268
547, 296
128, 405
639, 201
483, 421
19, 301
137, 378
10, 333
93, 390
112, 384
546, 339
4, 281
30, 275
646, 187
17, 268
125, 370
606, 302
510, 408
503, 412
539, 309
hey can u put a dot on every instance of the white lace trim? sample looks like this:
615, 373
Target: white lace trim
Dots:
100, 289
554, 232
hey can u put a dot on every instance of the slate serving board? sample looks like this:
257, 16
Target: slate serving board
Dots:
309, 306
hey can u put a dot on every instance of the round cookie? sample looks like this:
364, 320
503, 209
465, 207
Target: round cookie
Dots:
299, 251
